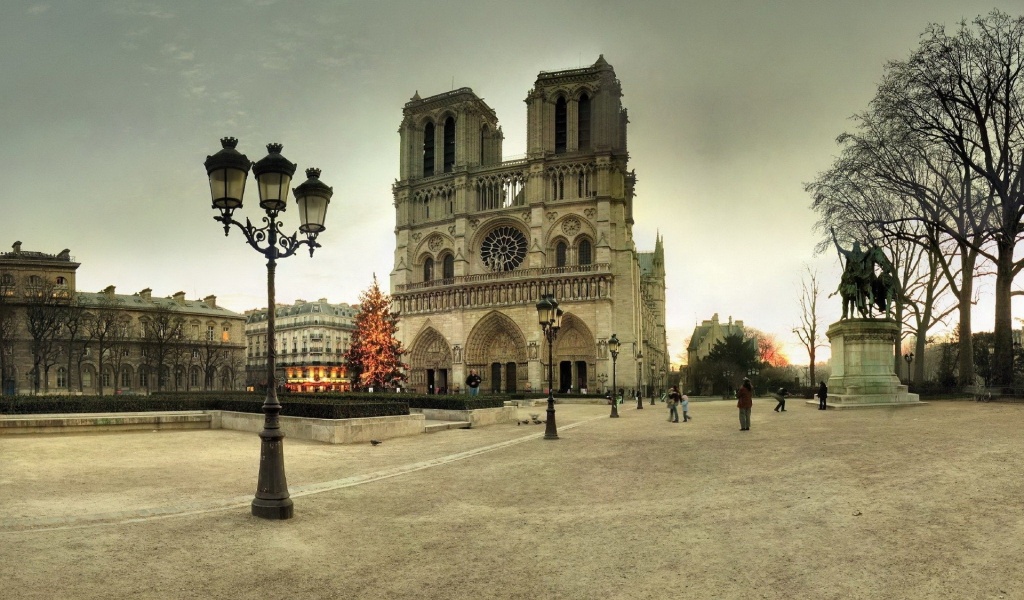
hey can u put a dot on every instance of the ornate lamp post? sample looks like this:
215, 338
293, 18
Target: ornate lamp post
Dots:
613, 349
550, 317
661, 373
640, 380
228, 170
909, 357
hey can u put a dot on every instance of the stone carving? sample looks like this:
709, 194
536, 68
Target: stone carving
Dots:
416, 236
526, 216
571, 226
534, 351
435, 242
590, 213
552, 216
451, 229
474, 223
458, 353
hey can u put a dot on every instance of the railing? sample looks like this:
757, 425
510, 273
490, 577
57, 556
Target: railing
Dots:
566, 287
517, 274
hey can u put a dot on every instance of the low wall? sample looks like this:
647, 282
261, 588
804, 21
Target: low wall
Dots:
475, 418
105, 422
331, 431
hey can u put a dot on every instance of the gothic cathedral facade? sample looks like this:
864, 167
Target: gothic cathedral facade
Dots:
479, 239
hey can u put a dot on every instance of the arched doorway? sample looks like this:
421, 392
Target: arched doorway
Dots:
430, 363
575, 355
496, 348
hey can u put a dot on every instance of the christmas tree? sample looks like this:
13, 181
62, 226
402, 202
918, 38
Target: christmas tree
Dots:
375, 357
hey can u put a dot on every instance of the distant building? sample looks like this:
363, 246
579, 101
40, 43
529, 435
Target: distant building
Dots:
709, 333
479, 240
311, 341
56, 339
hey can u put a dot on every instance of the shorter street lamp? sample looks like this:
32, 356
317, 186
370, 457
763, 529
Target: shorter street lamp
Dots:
640, 380
602, 379
613, 348
661, 373
550, 317
227, 170
909, 357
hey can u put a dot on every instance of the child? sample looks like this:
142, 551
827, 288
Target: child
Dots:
686, 408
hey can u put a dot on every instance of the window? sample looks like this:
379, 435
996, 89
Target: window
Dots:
193, 378
584, 253
560, 125
143, 378
583, 126
558, 186
177, 378
62, 377
225, 335
449, 144
504, 249
62, 282
428, 270
126, 379
195, 353
87, 379
209, 333
106, 379
560, 254
428, 150
448, 267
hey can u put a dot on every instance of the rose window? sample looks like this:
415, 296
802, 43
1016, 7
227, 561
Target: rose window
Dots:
503, 249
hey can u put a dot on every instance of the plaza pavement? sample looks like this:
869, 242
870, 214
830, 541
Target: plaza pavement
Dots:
920, 502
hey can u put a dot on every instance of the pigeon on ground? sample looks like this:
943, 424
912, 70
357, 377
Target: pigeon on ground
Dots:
376, 442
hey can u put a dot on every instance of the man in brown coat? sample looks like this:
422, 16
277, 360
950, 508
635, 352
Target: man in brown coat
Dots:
745, 397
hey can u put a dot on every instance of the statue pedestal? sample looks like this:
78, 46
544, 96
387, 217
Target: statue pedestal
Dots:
863, 352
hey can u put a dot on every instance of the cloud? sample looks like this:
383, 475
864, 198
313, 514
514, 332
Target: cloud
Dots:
38, 9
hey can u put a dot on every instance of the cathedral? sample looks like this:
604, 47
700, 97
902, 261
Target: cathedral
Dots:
480, 239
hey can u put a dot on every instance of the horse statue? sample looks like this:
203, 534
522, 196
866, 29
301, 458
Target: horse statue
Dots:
861, 287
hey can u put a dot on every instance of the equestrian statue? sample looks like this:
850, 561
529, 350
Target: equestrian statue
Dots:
862, 287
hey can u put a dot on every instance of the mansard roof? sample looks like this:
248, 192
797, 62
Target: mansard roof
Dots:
138, 302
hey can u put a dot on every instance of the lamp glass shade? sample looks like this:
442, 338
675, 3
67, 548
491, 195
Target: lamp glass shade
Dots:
274, 190
544, 310
227, 170
227, 186
312, 197
613, 343
558, 317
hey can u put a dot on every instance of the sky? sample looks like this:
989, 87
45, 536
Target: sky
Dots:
110, 107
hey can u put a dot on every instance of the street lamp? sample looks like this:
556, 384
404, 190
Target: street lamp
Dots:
603, 378
639, 380
550, 317
613, 348
228, 170
661, 373
909, 357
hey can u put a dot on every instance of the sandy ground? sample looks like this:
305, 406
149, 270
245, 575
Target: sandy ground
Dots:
911, 503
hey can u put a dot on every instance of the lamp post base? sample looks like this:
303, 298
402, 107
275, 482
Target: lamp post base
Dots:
550, 428
272, 500
274, 510
639, 402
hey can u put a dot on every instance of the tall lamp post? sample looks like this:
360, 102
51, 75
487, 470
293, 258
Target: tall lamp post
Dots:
640, 380
613, 349
550, 317
228, 170
661, 372
909, 357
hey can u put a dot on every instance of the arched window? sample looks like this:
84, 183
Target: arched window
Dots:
62, 377
583, 253
560, 254
428, 150
428, 269
448, 267
449, 144
583, 124
483, 143
560, 125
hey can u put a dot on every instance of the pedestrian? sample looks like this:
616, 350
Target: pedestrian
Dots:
686, 408
781, 397
745, 401
473, 382
622, 393
822, 394
673, 405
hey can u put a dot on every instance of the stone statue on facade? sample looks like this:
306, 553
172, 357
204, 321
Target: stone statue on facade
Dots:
868, 281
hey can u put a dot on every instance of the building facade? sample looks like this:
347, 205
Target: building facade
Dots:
311, 341
478, 240
56, 339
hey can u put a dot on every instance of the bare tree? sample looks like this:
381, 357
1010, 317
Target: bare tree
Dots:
7, 330
102, 329
74, 341
809, 330
162, 332
45, 312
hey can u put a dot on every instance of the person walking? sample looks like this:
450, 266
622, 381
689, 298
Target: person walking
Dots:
685, 405
622, 393
673, 405
781, 397
822, 394
473, 382
745, 401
